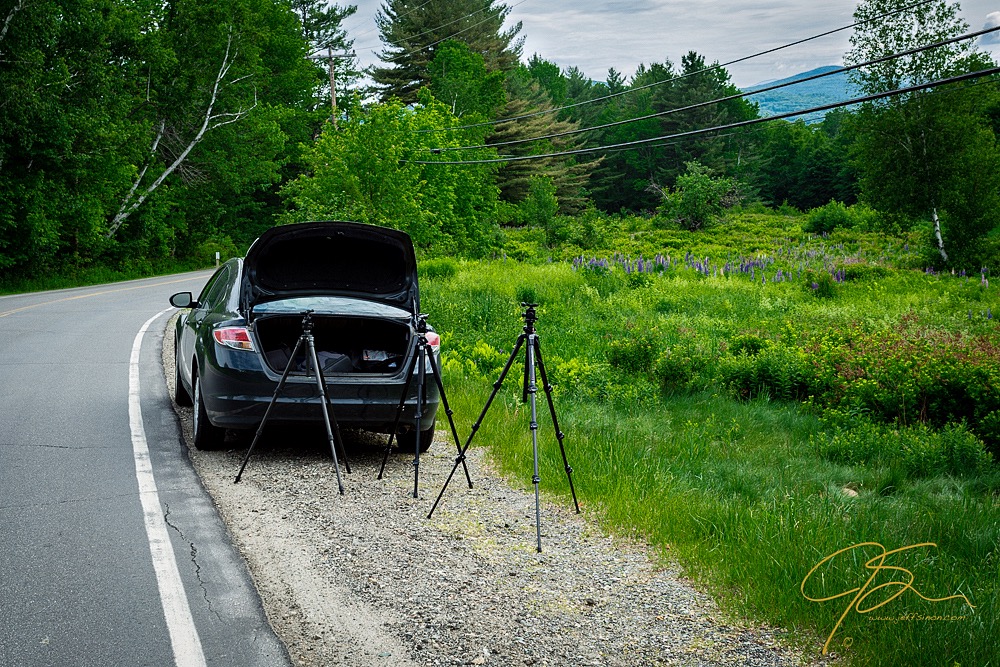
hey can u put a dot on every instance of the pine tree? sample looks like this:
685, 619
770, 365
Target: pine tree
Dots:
412, 35
570, 175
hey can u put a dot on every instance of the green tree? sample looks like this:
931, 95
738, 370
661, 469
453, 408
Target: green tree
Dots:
413, 34
698, 198
322, 28
71, 76
458, 77
804, 165
698, 85
529, 115
131, 131
375, 170
932, 154
624, 177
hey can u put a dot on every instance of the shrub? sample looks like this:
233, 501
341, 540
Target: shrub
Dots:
677, 368
861, 272
825, 219
443, 267
749, 344
916, 450
698, 198
820, 284
634, 354
777, 372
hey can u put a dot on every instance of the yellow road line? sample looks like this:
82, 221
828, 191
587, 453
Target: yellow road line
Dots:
85, 296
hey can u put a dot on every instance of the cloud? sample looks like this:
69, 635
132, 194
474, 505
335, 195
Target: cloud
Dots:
992, 21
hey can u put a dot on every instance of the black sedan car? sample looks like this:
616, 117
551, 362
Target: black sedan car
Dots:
235, 340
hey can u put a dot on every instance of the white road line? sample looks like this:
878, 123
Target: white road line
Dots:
183, 635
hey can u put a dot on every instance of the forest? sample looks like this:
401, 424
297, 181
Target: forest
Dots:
141, 136
769, 338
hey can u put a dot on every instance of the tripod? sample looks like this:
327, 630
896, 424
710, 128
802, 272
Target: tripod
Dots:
311, 361
533, 354
423, 358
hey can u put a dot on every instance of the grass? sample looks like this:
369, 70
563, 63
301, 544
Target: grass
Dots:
746, 494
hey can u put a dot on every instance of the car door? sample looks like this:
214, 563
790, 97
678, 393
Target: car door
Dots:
214, 293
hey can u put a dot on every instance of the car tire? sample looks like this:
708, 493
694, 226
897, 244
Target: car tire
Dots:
408, 440
206, 436
181, 396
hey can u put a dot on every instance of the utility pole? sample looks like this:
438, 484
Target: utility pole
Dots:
331, 56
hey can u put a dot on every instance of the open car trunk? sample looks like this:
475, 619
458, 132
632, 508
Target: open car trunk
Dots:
344, 345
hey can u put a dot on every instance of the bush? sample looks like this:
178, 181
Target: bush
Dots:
825, 219
635, 354
820, 284
780, 373
862, 272
443, 267
698, 198
678, 367
916, 450
539, 209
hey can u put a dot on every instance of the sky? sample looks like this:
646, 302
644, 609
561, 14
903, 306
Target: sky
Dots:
595, 36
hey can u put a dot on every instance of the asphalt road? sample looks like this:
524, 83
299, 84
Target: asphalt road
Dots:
109, 555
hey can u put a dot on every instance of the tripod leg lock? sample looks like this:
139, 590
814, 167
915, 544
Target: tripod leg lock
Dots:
569, 470
536, 479
534, 426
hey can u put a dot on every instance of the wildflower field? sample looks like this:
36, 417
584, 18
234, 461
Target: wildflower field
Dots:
809, 425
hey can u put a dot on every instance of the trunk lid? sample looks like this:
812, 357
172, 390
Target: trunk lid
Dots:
345, 259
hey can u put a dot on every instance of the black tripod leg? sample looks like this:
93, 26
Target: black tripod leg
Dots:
421, 398
333, 419
267, 413
531, 390
555, 421
447, 410
399, 411
479, 422
326, 413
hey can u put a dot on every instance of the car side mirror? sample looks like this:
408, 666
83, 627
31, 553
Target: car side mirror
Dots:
183, 300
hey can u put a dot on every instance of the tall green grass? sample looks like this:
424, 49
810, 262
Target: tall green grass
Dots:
748, 495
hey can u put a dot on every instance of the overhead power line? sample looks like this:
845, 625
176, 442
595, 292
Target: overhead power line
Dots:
731, 126
681, 76
728, 98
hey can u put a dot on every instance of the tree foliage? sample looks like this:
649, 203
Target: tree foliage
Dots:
458, 77
133, 131
698, 197
372, 171
529, 115
932, 154
413, 35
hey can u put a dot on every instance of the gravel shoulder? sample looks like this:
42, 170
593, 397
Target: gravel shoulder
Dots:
366, 579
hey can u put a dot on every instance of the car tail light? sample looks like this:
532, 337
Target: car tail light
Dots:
434, 340
237, 338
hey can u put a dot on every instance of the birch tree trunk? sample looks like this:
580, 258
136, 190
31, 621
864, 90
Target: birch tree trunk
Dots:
937, 234
210, 121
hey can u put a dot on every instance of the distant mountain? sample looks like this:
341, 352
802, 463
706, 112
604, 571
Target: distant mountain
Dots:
827, 90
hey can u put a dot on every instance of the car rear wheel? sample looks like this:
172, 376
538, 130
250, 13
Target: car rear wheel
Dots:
181, 397
408, 440
206, 436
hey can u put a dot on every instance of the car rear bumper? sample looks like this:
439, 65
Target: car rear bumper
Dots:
239, 399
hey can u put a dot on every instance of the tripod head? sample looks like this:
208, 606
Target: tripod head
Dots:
420, 323
307, 321
529, 317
